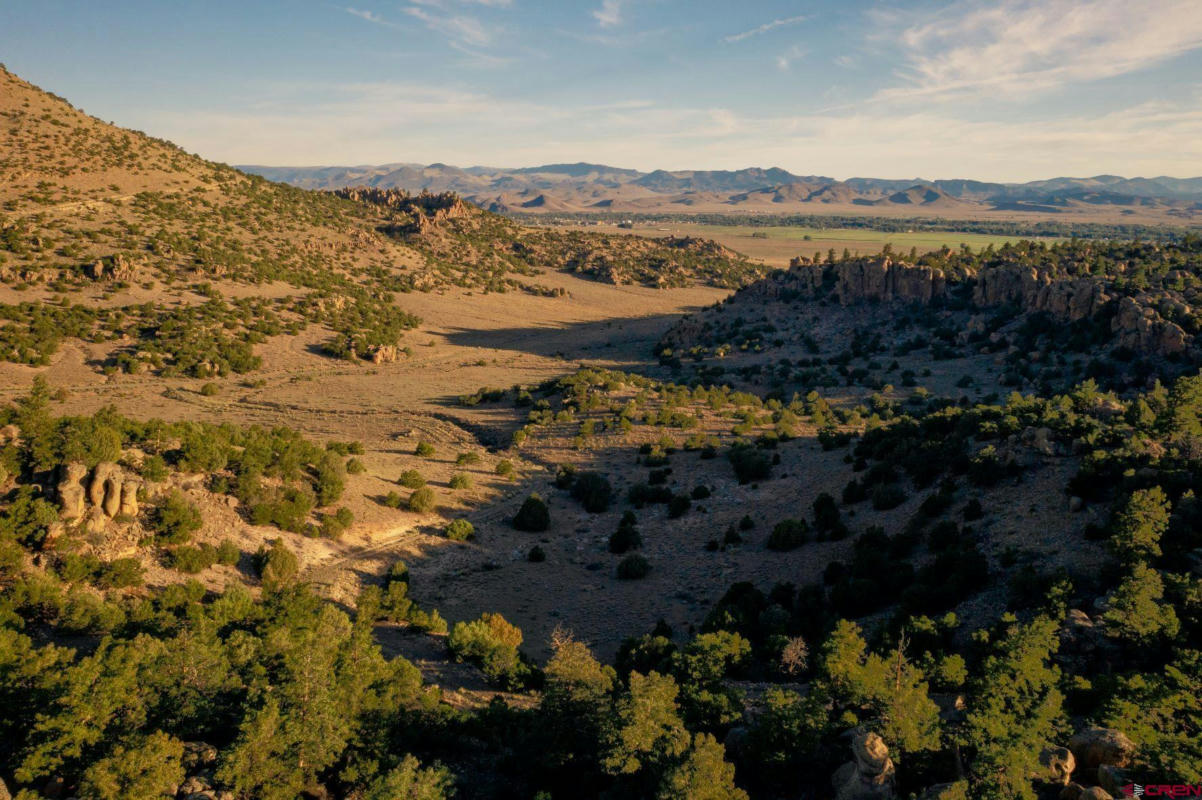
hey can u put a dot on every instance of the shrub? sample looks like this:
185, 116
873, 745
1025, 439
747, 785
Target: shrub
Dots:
466, 459
746, 523
460, 481
641, 494
175, 519
287, 509
228, 553
789, 534
412, 479
627, 536
533, 516
593, 491
424, 449
393, 500
192, 560
678, 506
422, 500
565, 476
331, 479
355, 467
749, 463
154, 468
701, 492
973, 510
492, 643
277, 566
459, 530
887, 496
210, 389
536, 555
333, 525
121, 573
826, 512
633, 567
504, 468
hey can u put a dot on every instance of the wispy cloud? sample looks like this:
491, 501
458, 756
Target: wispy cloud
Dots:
761, 29
370, 16
785, 60
1021, 47
609, 13
457, 28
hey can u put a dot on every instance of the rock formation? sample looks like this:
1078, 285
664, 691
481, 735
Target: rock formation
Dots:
885, 280
110, 493
1058, 765
871, 776
1075, 791
71, 493
1094, 747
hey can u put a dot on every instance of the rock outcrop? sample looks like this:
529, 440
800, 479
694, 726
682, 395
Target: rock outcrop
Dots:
1094, 747
886, 280
110, 493
871, 776
1057, 765
1141, 328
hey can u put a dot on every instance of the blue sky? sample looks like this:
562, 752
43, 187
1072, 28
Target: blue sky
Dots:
1002, 90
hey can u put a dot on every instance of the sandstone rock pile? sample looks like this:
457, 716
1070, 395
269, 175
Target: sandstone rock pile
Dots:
109, 494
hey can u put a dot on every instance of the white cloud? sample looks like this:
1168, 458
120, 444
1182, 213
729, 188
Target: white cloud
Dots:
785, 60
370, 16
767, 26
458, 28
609, 14
1014, 48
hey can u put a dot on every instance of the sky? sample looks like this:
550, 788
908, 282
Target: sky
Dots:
1008, 90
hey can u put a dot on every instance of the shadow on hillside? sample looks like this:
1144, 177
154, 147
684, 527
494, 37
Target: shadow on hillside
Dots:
626, 340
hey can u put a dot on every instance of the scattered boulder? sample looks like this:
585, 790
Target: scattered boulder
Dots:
1058, 765
871, 776
1095, 747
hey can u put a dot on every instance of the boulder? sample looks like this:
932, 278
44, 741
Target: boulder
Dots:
4, 794
871, 776
100, 476
1057, 765
1094, 747
1112, 779
1075, 791
112, 494
71, 494
129, 497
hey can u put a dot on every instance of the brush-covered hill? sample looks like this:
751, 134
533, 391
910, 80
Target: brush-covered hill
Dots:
109, 234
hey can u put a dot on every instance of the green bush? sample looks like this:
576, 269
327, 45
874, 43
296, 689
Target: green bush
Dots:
277, 566
228, 553
749, 463
460, 481
700, 492
533, 516
678, 506
504, 468
175, 519
424, 449
121, 573
393, 500
210, 389
627, 536
593, 491
536, 555
154, 469
467, 459
459, 530
334, 525
888, 496
355, 467
192, 560
491, 643
422, 500
788, 534
633, 567
412, 479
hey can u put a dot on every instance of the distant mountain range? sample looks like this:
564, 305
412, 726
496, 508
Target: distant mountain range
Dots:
583, 187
